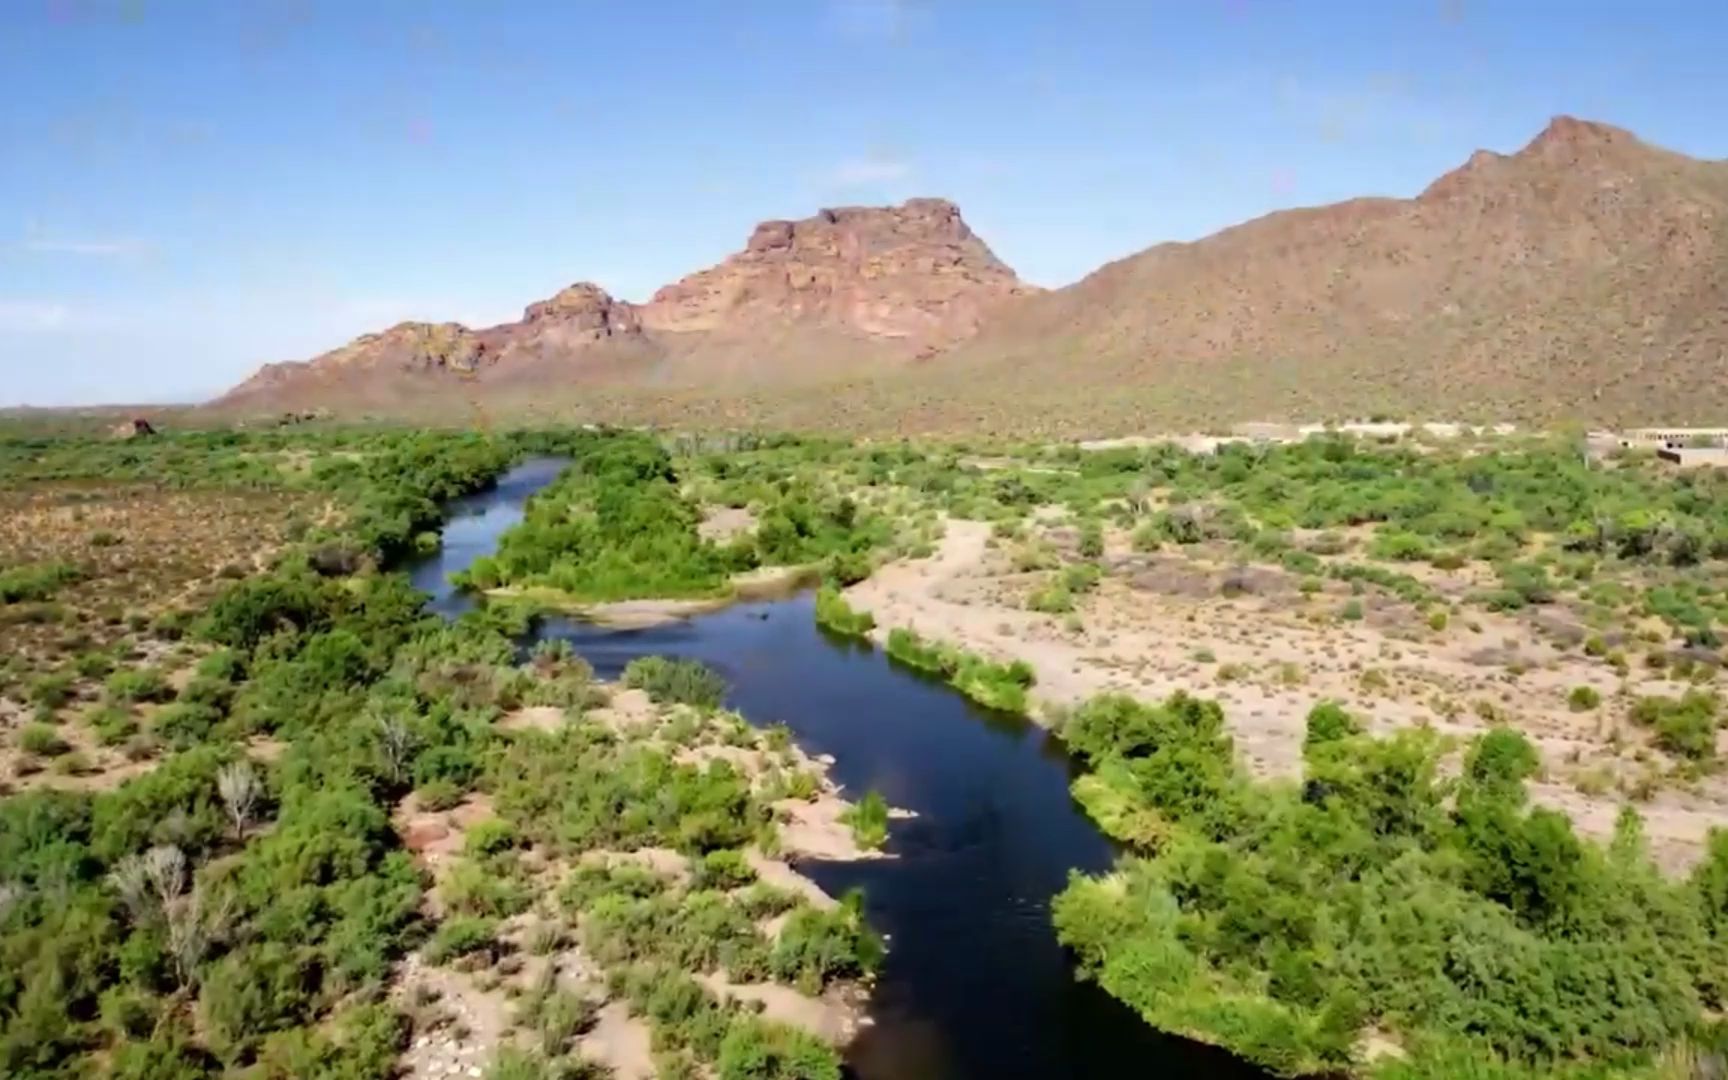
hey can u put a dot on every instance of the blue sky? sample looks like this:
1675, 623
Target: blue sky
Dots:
189, 189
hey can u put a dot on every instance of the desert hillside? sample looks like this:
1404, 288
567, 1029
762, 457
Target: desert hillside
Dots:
1580, 277
848, 291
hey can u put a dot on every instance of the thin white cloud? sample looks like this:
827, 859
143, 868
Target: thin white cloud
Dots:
32, 316
95, 248
870, 18
869, 170
48, 242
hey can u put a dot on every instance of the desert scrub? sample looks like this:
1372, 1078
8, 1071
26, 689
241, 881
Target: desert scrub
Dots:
1091, 543
834, 613
42, 741
36, 582
1685, 727
51, 691
686, 682
137, 684
868, 820
460, 936
1583, 698
1052, 599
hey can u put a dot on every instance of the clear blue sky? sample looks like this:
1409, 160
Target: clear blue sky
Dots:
192, 188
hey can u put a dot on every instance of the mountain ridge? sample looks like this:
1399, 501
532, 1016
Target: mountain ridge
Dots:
1582, 274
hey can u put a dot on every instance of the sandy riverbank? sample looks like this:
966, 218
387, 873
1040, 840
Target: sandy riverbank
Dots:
463, 1015
1268, 652
763, 583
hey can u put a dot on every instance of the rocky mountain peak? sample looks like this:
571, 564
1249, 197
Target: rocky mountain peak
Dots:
912, 271
584, 310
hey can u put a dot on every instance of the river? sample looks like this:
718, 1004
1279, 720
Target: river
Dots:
975, 984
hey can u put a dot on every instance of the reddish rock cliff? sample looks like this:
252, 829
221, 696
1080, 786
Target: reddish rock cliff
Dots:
913, 271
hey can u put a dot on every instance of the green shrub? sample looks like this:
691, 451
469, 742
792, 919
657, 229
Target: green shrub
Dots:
1686, 727
489, 837
112, 725
997, 686
42, 741
137, 684
688, 682
1091, 540
51, 691
1583, 698
461, 935
817, 947
439, 794
184, 724
723, 869
868, 820
834, 613
1328, 722
1051, 599
756, 1049
93, 665
35, 582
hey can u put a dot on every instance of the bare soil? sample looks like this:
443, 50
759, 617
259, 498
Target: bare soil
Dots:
1268, 652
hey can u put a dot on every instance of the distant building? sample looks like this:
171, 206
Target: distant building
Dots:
1693, 456
1656, 438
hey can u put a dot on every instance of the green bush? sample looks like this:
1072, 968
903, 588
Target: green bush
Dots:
1686, 727
460, 936
1280, 920
817, 947
489, 837
755, 1049
1091, 540
1052, 599
994, 685
36, 582
868, 820
1583, 698
51, 691
42, 740
137, 684
666, 680
112, 725
723, 869
834, 613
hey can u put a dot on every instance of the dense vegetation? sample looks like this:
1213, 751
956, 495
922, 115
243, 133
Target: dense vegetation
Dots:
995, 685
222, 912
230, 911
1480, 935
236, 910
618, 525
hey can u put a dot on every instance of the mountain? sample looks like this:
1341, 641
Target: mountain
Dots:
849, 289
913, 272
1582, 277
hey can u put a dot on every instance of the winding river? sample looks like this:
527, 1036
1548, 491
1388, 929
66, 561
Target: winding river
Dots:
975, 984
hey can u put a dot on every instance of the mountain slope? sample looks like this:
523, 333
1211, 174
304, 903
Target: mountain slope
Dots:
844, 291
1583, 277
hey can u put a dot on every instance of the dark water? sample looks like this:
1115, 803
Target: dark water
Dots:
975, 984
